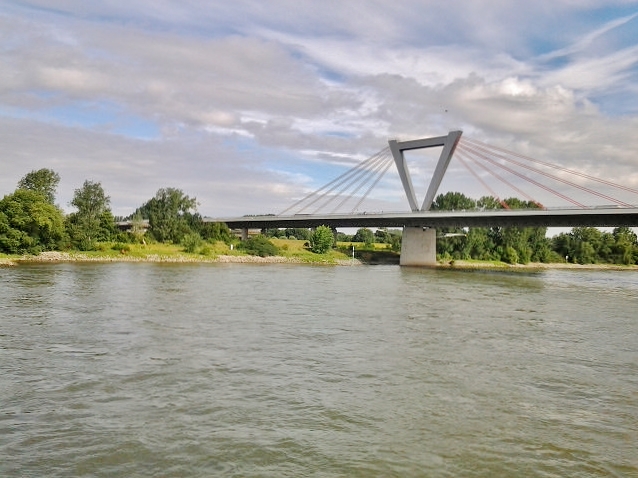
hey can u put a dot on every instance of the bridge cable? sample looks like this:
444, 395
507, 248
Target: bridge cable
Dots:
337, 181
333, 184
503, 180
379, 176
564, 181
371, 173
459, 155
360, 176
555, 166
551, 176
516, 173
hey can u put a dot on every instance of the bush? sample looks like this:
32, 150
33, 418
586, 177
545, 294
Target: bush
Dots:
510, 255
191, 242
259, 246
121, 247
206, 251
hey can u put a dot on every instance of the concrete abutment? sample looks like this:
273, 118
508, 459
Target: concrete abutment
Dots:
418, 247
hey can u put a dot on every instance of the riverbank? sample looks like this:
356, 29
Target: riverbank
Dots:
532, 266
57, 257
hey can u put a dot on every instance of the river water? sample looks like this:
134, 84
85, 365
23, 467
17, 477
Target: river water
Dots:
137, 369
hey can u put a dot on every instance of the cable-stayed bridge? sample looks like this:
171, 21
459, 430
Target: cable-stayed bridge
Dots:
337, 203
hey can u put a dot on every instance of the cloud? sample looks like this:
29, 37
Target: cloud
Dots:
244, 104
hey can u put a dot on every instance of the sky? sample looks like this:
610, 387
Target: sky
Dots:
249, 105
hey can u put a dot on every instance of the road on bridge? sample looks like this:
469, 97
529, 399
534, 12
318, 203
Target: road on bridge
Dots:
594, 217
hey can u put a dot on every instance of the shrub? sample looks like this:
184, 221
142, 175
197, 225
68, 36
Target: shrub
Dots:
120, 246
191, 242
206, 251
259, 246
510, 255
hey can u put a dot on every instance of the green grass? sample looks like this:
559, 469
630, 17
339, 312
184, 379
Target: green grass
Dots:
294, 248
109, 251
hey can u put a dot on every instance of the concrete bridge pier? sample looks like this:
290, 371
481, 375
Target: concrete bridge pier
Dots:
418, 247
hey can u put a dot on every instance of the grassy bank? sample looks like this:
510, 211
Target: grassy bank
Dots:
491, 265
291, 251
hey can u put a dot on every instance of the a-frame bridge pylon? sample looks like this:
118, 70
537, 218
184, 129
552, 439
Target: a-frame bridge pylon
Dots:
397, 148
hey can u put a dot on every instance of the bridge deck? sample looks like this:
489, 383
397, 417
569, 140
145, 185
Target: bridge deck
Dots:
595, 217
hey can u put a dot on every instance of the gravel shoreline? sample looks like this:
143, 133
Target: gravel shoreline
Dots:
56, 257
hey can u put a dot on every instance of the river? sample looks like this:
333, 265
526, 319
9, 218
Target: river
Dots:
240, 370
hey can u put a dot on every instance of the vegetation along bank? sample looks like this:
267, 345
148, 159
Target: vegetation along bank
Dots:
167, 227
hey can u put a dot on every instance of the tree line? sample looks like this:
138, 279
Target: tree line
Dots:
582, 245
30, 222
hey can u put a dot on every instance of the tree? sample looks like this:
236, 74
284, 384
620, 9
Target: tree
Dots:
43, 181
453, 201
29, 223
382, 236
587, 241
168, 214
138, 228
625, 245
364, 235
93, 220
528, 243
321, 240
489, 202
215, 231
298, 233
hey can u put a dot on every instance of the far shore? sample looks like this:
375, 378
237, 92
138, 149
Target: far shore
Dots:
59, 257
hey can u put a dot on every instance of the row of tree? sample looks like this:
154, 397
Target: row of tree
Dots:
30, 222
583, 245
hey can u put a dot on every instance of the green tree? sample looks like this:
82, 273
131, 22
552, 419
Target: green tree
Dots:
93, 220
382, 236
586, 242
625, 247
138, 227
29, 223
562, 245
510, 255
395, 241
489, 202
453, 201
43, 181
364, 235
169, 214
528, 243
298, 233
478, 244
321, 240
216, 231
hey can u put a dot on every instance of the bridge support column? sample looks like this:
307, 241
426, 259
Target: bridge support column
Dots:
244, 234
418, 247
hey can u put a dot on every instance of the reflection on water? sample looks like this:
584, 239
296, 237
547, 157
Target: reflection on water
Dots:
276, 370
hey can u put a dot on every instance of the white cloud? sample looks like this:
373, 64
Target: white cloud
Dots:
243, 100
